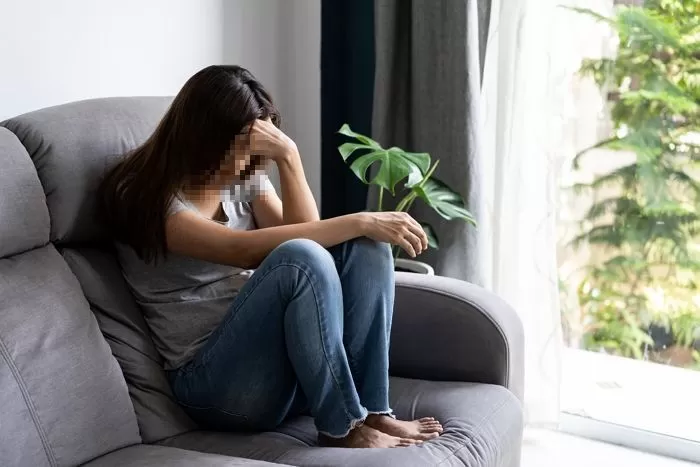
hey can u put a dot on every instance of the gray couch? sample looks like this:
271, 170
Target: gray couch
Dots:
81, 382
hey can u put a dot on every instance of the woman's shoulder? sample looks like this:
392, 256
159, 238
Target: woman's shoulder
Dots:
177, 204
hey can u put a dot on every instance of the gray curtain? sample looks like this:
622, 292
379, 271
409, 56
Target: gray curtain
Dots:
429, 56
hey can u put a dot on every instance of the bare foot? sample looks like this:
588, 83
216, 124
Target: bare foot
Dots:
422, 429
366, 437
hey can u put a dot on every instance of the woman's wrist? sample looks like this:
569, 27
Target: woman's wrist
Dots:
360, 223
290, 164
288, 156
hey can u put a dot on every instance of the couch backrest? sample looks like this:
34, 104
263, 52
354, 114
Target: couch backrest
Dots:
71, 146
63, 400
63, 395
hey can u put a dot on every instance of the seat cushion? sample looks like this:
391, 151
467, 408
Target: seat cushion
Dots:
125, 329
159, 456
483, 428
64, 400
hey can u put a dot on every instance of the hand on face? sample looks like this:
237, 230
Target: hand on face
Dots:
270, 142
252, 149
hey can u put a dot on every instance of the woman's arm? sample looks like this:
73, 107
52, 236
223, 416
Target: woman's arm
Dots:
267, 210
190, 234
298, 203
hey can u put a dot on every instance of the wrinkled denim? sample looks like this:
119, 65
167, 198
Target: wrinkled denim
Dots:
309, 332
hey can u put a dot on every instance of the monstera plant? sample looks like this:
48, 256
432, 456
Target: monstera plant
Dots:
405, 177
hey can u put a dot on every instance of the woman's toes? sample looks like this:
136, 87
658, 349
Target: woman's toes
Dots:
409, 442
430, 427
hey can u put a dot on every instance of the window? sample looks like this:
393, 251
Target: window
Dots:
629, 227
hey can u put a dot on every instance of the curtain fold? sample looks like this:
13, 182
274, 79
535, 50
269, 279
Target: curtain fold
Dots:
347, 84
495, 145
426, 99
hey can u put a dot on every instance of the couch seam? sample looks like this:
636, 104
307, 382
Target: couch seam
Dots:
30, 404
477, 307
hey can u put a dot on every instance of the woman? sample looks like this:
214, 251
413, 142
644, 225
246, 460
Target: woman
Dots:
308, 331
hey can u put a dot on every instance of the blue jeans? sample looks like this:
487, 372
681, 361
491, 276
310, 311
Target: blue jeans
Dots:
309, 332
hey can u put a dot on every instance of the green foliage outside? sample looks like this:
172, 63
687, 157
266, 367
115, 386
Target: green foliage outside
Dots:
646, 216
406, 177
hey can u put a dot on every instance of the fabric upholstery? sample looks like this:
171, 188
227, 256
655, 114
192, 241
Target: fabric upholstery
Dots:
158, 456
124, 327
63, 393
466, 333
73, 395
21, 443
483, 426
73, 144
24, 219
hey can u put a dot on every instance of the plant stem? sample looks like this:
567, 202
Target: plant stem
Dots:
429, 174
381, 199
410, 203
406, 201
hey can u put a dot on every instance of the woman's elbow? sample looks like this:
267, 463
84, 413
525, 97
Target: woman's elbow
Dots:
245, 258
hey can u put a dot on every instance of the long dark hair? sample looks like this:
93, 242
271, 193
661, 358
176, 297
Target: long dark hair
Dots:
187, 147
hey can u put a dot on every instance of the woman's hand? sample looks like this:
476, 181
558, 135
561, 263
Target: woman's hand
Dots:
396, 228
271, 142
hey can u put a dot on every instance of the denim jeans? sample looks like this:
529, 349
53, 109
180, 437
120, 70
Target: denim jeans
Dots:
309, 332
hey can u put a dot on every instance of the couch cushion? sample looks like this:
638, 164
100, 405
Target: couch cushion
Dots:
64, 398
159, 456
483, 428
73, 144
24, 219
122, 324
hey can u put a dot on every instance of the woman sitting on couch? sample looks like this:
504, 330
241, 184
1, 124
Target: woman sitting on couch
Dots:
193, 212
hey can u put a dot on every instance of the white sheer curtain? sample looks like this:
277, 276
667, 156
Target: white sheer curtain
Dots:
525, 100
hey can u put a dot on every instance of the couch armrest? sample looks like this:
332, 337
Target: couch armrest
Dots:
447, 329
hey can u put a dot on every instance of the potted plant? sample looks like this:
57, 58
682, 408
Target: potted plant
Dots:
405, 177
683, 345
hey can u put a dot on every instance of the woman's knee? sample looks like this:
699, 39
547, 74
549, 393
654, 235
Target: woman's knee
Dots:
307, 253
376, 255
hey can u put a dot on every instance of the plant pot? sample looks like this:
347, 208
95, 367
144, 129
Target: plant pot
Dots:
674, 355
409, 265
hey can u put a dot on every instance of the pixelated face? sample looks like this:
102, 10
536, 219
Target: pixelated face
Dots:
240, 165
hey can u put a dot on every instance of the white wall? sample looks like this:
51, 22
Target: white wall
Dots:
52, 52
57, 51
300, 81
279, 41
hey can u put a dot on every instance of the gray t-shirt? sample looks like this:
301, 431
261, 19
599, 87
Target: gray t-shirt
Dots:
184, 299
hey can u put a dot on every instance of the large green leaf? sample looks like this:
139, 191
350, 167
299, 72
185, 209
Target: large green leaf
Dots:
347, 149
433, 241
445, 201
345, 130
420, 159
391, 171
395, 164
